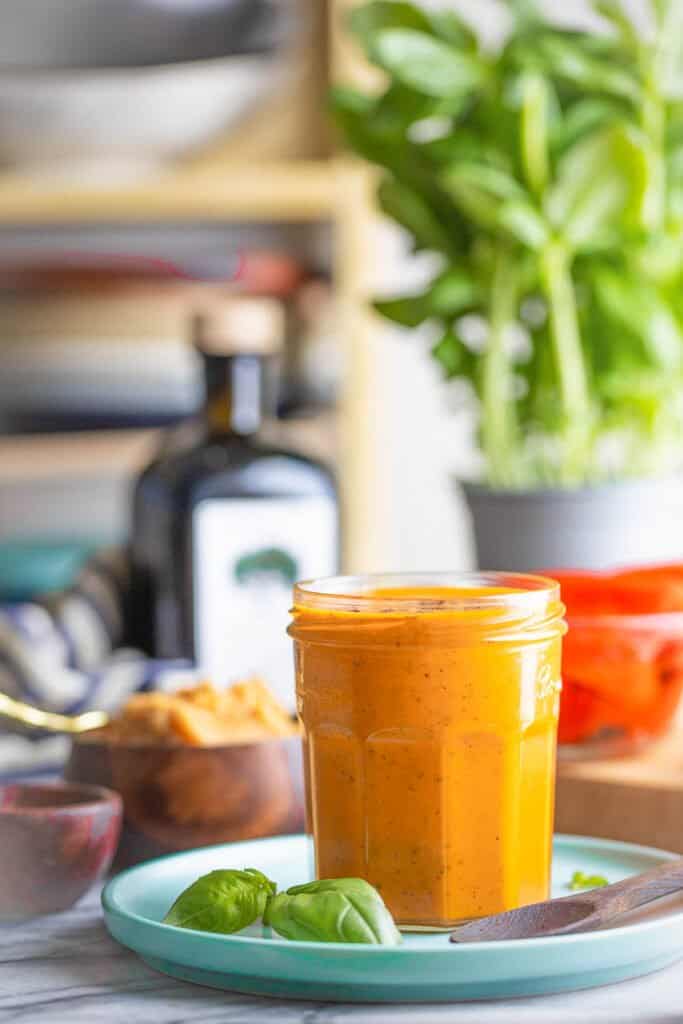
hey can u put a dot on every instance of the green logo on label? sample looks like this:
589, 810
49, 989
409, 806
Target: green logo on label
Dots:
268, 562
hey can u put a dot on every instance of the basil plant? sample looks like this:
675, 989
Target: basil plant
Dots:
548, 178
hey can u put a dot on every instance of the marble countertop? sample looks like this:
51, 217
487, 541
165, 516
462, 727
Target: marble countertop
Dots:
66, 970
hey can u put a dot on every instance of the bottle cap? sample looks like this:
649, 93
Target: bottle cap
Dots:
240, 326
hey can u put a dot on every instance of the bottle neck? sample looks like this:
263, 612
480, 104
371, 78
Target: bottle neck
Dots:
234, 394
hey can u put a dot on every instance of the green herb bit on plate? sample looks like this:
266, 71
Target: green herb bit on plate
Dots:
580, 880
222, 901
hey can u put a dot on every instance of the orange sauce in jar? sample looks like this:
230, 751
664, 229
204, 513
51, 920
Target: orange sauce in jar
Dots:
429, 707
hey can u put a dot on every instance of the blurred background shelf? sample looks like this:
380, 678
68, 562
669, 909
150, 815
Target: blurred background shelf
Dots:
635, 799
77, 485
296, 190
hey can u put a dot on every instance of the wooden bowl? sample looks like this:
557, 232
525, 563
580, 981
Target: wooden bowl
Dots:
182, 797
56, 840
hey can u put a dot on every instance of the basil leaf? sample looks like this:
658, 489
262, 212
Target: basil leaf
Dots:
407, 310
636, 308
494, 199
534, 135
524, 223
452, 29
428, 65
571, 59
367, 20
355, 116
582, 118
603, 183
480, 191
222, 901
454, 357
333, 910
613, 11
451, 294
413, 211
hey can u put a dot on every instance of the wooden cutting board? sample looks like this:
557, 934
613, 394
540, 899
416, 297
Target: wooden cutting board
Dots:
636, 799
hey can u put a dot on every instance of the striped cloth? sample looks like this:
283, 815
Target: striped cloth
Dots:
63, 653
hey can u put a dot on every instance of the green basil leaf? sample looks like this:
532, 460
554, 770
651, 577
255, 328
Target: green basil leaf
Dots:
643, 388
452, 293
464, 145
333, 910
407, 311
667, 62
524, 222
413, 211
525, 12
450, 27
222, 901
534, 131
635, 307
480, 190
399, 107
427, 64
495, 201
378, 136
454, 357
583, 117
602, 183
660, 258
613, 12
570, 58
366, 20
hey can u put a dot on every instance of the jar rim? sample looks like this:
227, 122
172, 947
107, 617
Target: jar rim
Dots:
521, 592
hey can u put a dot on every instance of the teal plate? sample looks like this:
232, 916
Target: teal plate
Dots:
426, 968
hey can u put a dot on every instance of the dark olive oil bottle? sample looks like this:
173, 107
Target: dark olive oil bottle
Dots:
223, 527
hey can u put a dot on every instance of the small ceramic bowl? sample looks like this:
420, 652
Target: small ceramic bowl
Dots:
56, 840
182, 797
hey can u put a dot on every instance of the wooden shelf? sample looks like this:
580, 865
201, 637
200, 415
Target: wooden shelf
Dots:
31, 457
296, 190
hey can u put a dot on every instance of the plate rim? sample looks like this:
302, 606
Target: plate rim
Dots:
110, 906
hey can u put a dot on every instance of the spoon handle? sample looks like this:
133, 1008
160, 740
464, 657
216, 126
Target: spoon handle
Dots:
621, 897
35, 718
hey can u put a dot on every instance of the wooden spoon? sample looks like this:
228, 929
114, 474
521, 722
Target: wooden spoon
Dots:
580, 912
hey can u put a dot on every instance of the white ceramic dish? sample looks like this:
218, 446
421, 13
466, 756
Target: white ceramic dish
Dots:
114, 124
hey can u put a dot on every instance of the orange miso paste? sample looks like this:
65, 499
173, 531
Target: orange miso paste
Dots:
429, 706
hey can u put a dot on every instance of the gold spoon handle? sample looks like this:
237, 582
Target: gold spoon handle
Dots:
49, 721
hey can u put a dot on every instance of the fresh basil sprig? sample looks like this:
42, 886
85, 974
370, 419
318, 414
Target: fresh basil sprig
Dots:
547, 179
333, 910
222, 901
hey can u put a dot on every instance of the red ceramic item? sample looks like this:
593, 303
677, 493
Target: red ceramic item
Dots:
56, 841
622, 658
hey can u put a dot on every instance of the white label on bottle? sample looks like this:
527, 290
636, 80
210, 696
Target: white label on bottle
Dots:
247, 554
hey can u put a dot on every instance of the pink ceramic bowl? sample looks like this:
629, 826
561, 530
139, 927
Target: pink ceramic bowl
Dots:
56, 840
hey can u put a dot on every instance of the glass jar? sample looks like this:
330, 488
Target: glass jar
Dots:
429, 705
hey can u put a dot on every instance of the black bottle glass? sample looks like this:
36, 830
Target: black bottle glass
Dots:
223, 527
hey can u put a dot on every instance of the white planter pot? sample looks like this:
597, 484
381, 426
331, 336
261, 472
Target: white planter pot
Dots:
625, 523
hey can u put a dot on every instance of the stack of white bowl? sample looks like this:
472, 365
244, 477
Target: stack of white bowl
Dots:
96, 90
